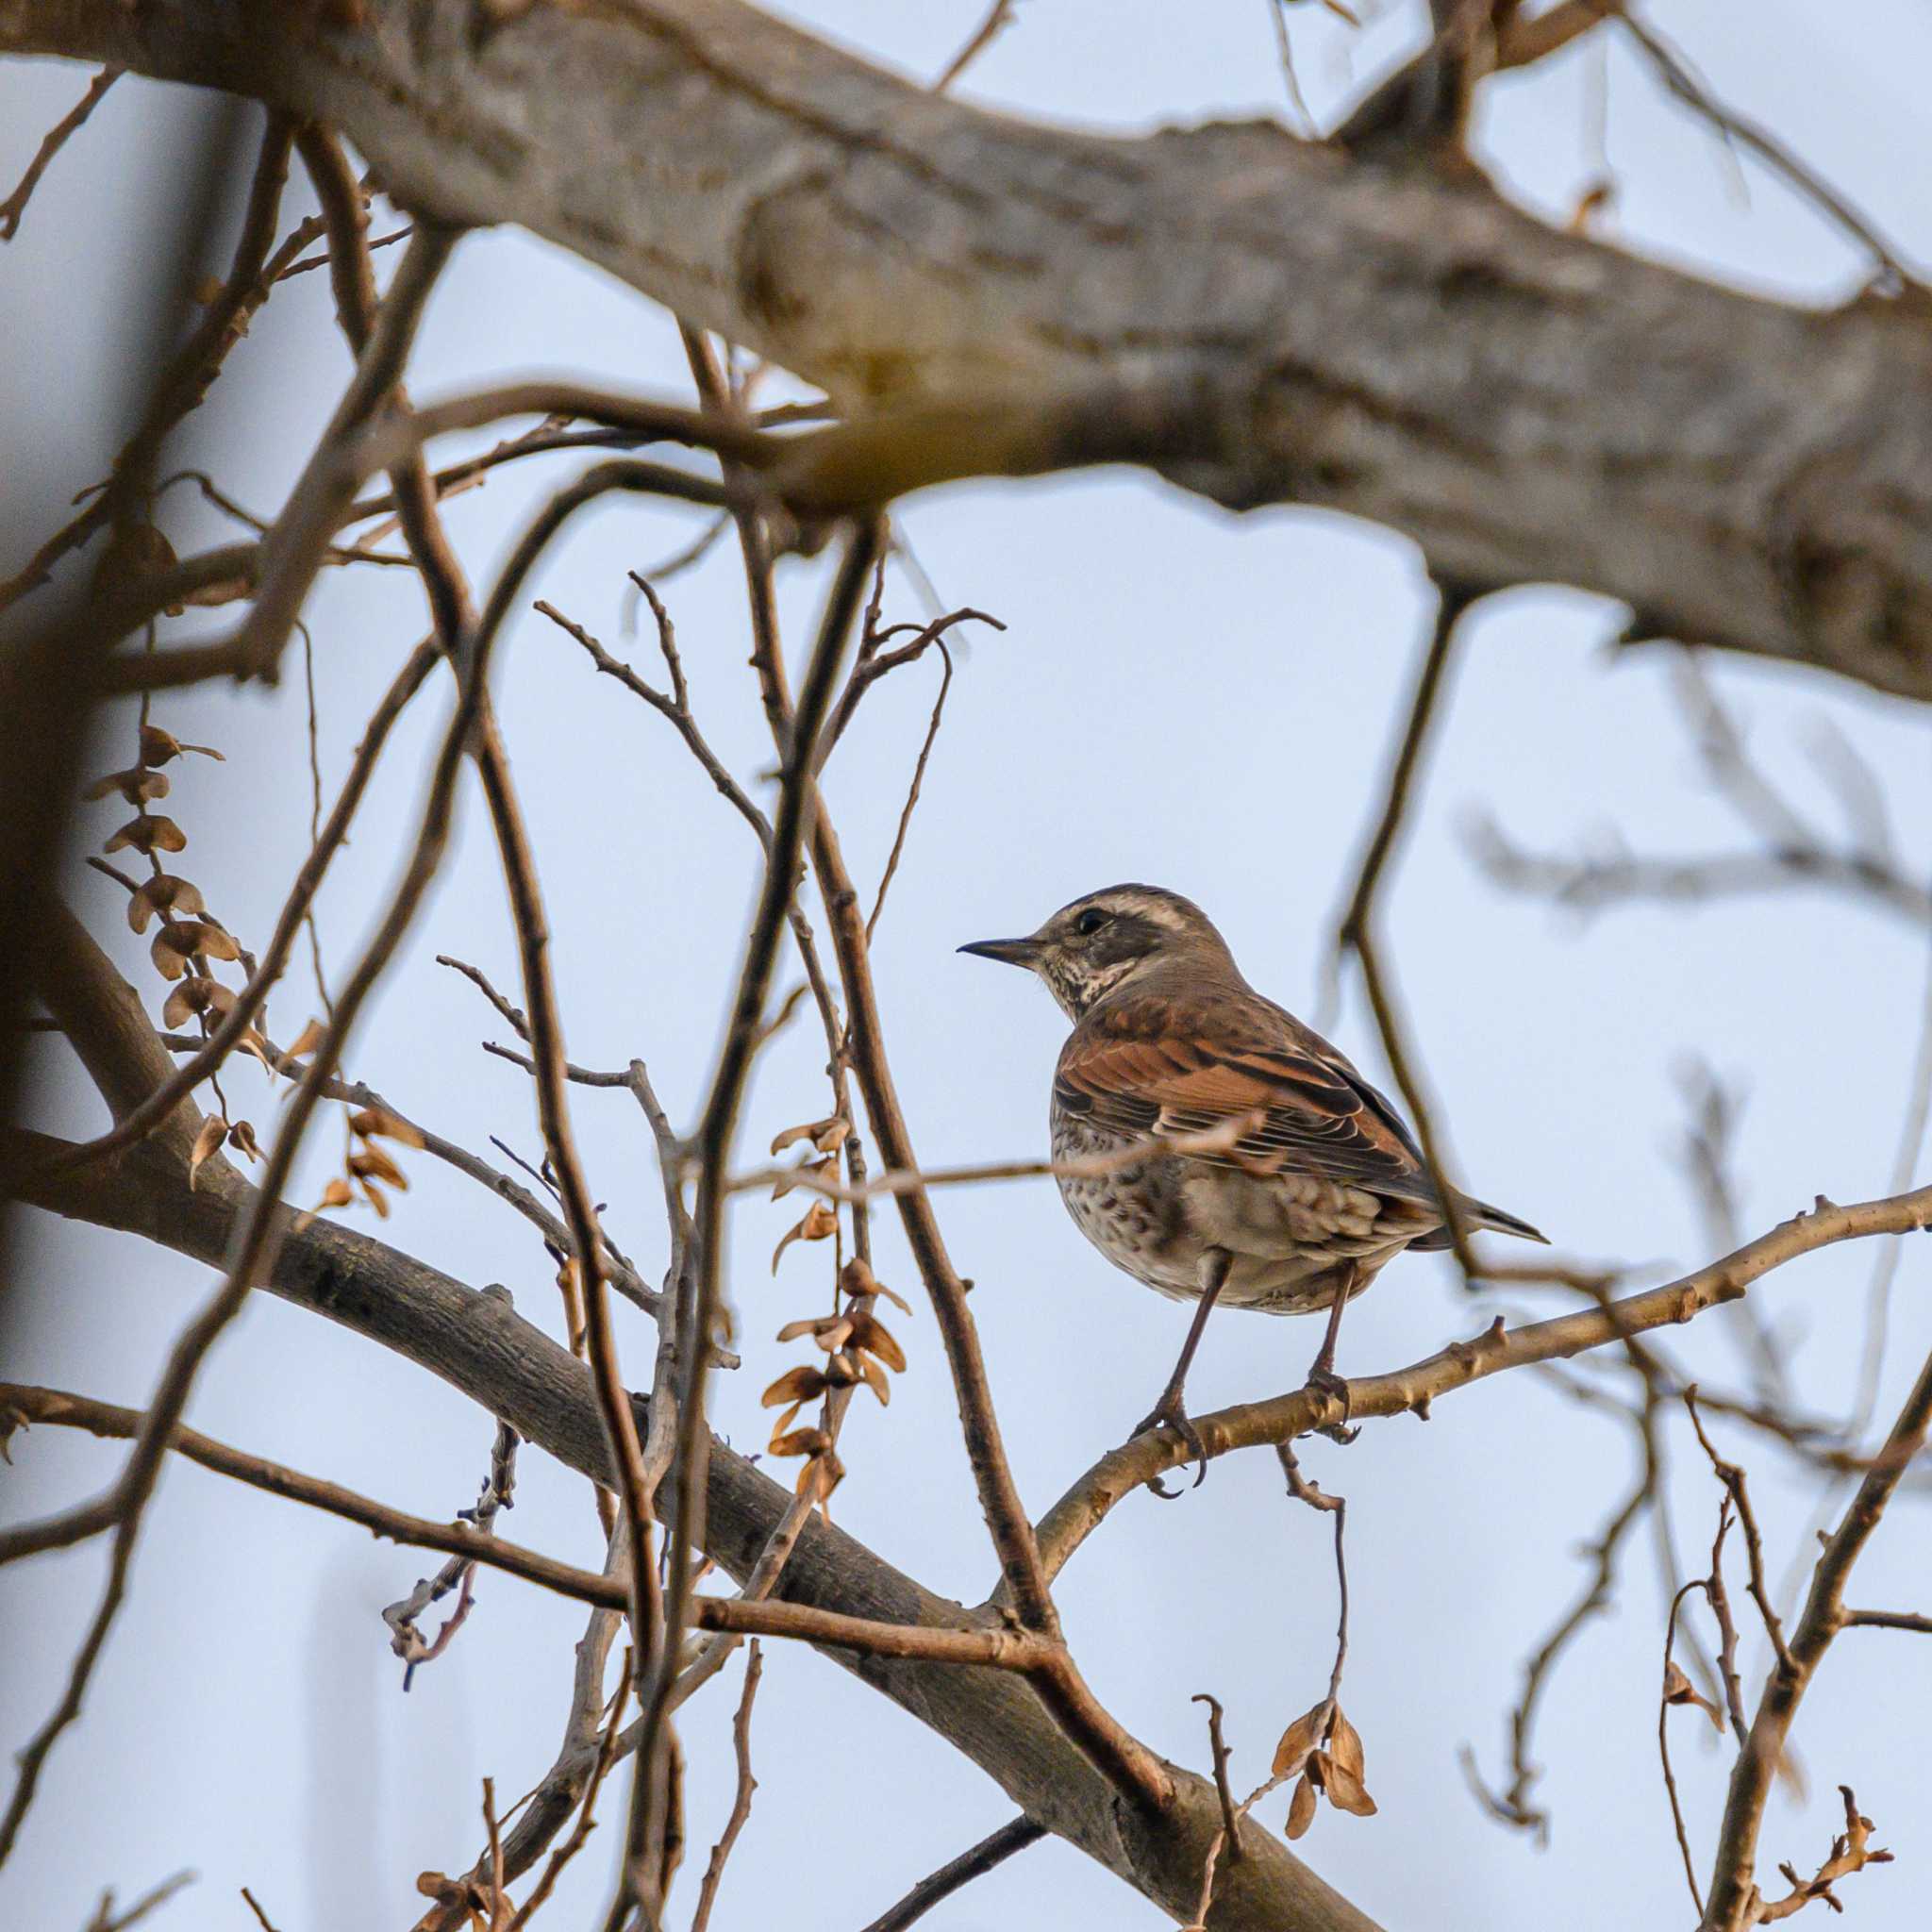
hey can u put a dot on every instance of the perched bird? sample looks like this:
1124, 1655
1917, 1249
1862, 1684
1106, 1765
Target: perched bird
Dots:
1309, 1182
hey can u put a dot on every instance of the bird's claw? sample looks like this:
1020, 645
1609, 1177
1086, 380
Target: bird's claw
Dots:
1324, 1381
1169, 1414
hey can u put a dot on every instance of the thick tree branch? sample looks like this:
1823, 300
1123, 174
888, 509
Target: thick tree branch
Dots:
1257, 317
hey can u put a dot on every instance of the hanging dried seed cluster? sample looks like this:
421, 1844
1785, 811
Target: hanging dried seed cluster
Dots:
1326, 1749
858, 1346
821, 1221
190, 942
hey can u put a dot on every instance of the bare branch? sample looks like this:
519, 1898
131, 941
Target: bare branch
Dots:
741, 1803
51, 142
994, 1849
1411, 1391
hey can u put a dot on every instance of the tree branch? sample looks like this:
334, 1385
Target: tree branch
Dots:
1237, 308
1411, 1391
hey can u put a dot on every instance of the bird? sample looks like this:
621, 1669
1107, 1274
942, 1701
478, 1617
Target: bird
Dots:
1299, 1181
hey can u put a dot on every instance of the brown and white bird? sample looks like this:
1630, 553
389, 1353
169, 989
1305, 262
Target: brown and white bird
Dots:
1316, 1183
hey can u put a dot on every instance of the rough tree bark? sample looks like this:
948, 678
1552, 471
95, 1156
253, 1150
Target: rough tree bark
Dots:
1262, 319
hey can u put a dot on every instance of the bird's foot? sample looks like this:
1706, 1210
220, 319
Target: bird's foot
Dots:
1168, 1413
1323, 1380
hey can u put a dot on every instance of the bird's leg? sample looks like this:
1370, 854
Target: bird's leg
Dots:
1322, 1373
1168, 1412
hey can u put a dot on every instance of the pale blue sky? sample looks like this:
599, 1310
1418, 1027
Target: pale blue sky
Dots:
1180, 696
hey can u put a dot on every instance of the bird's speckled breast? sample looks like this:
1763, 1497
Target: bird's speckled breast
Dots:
1136, 1216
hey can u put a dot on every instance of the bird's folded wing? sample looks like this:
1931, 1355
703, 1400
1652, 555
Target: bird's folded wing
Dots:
1159, 1067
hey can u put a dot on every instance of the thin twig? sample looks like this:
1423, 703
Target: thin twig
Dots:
106, 1919
51, 142
1355, 930
994, 1849
999, 16
1664, 1741
741, 1803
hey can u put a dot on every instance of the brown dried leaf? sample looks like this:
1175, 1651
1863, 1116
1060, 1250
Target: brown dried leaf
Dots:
194, 995
163, 893
795, 1385
335, 1194
1301, 1808
875, 1379
1296, 1742
1345, 1746
377, 1199
179, 940
820, 1221
857, 1279
158, 747
832, 1135
311, 1037
170, 961
820, 1476
251, 1041
217, 942
213, 1130
369, 1162
1346, 1791
151, 832
137, 787
809, 1131
871, 1334
807, 1441
1678, 1689
786, 1182
368, 1120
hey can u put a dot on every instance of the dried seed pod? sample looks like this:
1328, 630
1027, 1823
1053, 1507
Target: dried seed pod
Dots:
820, 1221
1346, 1791
814, 1131
871, 1334
311, 1037
197, 995
795, 1385
1298, 1740
369, 1121
1345, 1744
137, 787
370, 1163
807, 1441
159, 746
1301, 1808
152, 832
855, 1278
242, 1136
166, 895
179, 940
213, 1131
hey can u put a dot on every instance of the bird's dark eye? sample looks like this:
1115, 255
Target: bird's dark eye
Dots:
1090, 921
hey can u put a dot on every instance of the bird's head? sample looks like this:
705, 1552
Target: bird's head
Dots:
1110, 940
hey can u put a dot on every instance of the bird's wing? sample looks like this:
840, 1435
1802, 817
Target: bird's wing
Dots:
1157, 1064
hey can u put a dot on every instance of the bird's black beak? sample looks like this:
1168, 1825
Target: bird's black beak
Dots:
1009, 952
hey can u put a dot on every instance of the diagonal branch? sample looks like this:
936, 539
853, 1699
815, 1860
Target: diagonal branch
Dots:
1411, 1391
